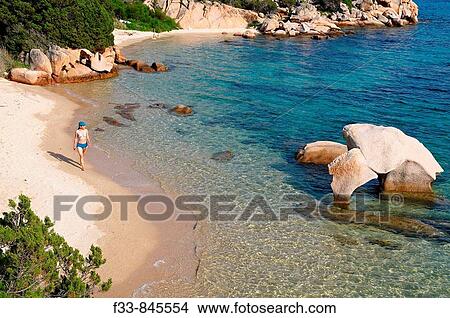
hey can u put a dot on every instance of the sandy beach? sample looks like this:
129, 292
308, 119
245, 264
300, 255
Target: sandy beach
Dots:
124, 38
36, 129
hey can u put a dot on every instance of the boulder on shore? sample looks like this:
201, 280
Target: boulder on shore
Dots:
39, 61
320, 152
58, 59
30, 77
100, 64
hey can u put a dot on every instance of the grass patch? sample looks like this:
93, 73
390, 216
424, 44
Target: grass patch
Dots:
7, 62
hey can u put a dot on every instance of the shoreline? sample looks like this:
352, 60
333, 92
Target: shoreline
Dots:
124, 38
46, 166
134, 248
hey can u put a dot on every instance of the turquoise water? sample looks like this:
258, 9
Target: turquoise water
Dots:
264, 98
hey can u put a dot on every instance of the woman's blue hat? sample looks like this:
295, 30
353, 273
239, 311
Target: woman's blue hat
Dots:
81, 123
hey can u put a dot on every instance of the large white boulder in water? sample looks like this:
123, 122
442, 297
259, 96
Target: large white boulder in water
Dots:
400, 162
387, 148
349, 171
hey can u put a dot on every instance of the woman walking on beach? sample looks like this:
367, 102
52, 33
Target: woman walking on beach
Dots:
81, 141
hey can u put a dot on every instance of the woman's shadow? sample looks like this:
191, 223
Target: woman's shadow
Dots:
61, 157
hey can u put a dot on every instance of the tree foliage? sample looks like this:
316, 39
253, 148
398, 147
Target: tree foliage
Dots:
264, 6
328, 5
27, 24
37, 262
141, 16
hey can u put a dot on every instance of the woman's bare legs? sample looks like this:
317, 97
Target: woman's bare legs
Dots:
81, 153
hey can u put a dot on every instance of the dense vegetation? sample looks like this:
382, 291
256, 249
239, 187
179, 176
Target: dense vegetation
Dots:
140, 16
37, 262
265, 6
27, 24
328, 5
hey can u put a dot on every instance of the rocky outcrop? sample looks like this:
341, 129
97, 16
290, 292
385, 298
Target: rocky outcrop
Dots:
226, 155
39, 61
304, 20
182, 110
61, 65
141, 66
377, 13
192, 14
307, 20
320, 152
30, 77
349, 171
400, 162
387, 148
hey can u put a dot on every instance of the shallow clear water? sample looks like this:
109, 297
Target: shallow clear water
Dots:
262, 99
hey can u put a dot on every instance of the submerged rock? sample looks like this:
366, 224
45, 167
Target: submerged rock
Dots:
158, 105
182, 110
396, 224
127, 106
113, 122
320, 152
223, 156
127, 114
389, 245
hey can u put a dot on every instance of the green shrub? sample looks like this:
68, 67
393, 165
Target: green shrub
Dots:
7, 62
264, 6
349, 4
27, 24
142, 17
37, 262
328, 5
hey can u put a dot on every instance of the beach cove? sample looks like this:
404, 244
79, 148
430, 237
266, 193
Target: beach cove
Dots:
226, 81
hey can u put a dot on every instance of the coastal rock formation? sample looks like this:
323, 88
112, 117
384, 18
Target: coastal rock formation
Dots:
119, 58
320, 152
386, 148
30, 77
307, 19
62, 65
349, 171
192, 14
145, 68
400, 162
182, 110
408, 177
39, 61
304, 20
378, 13
101, 64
